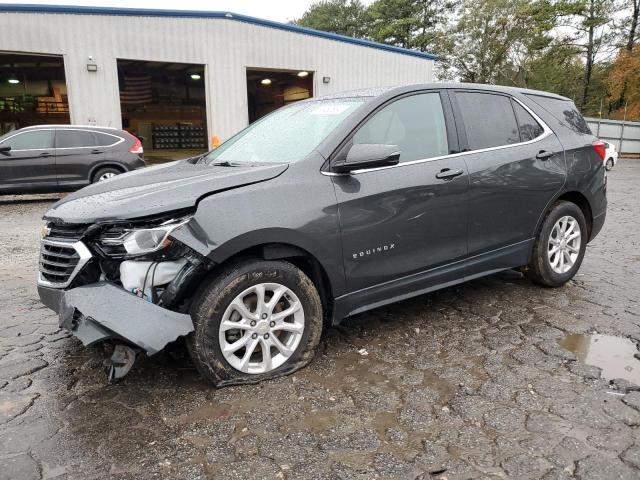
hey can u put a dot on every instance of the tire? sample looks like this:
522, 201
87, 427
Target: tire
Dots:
541, 270
104, 173
213, 304
609, 165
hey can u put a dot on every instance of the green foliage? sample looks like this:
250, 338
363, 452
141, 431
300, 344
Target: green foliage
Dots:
562, 46
416, 24
345, 17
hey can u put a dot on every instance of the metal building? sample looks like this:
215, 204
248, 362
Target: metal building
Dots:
153, 69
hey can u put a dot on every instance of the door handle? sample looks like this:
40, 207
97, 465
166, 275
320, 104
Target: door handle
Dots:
448, 174
96, 151
45, 154
543, 155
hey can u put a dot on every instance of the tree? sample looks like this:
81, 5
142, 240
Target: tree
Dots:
629, 37
345, 17
593, 19
416, 24
496, 39
625, 79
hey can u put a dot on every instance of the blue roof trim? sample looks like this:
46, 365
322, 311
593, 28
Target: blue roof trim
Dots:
149, 12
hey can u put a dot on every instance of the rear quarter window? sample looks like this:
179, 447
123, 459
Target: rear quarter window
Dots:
564, 111
104, 139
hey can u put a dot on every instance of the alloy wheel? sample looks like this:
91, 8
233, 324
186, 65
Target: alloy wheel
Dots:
261, 328
564, 244
106, 176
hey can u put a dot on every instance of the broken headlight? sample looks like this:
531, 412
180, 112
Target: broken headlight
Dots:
141, 241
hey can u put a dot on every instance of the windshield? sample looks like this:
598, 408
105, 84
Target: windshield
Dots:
286, 135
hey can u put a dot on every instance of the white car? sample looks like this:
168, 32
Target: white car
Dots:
610, 155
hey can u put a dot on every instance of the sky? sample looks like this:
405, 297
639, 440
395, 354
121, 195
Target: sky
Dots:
277, 10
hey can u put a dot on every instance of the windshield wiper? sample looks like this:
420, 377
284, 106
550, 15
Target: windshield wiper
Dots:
224, 163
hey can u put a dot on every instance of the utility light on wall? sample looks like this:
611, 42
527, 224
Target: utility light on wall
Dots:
92, 66
195, 76
303, 73
265, 81
13, 81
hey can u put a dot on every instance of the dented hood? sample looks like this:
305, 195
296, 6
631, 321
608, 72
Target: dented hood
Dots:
155, 190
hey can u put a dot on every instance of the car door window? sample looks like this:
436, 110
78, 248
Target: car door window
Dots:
415, 123
36, 140
488, 119
528, 127
74, 139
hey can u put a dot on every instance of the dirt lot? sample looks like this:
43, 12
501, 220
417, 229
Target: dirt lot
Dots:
468, 382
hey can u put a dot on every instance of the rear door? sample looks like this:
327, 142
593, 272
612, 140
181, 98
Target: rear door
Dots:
77, 151
30, 165
516, 166
402, 220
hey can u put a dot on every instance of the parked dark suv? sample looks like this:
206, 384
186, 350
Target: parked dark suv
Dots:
321, 210
62, 158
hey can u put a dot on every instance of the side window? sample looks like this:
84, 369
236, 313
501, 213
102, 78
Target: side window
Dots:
488, 119
563, 110
415, 123
74, 139
527, 125
36, 140
104, 140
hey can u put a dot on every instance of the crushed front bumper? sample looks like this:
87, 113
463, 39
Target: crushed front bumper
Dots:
102, 311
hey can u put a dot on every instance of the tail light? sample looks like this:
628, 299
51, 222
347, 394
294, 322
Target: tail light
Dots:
599, 147
136, 147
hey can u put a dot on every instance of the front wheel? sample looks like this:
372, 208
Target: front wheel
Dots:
254, 321
560, 246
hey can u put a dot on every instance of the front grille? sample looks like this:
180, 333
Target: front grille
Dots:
61, 261
72, 231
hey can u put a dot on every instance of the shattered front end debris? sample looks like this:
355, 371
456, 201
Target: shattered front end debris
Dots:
125, 282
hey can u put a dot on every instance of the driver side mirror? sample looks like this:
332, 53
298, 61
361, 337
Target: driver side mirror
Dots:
5, 148
368, 155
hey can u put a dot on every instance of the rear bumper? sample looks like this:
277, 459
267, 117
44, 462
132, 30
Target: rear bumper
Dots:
102, 311
598, 223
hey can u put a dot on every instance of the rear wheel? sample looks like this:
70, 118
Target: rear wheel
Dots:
105, 174
254, 321
560, 246
609, 165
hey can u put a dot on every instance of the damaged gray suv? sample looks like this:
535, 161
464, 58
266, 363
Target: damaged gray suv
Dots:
321, 210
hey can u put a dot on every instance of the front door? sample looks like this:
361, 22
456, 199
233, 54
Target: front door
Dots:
30, 164
398, 222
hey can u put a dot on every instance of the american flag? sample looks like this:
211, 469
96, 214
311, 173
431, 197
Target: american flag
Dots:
137, 90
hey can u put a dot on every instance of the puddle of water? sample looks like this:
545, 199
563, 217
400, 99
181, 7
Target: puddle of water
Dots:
614, 355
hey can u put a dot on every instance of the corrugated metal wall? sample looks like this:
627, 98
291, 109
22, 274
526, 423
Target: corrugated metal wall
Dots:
624, 135
226, 47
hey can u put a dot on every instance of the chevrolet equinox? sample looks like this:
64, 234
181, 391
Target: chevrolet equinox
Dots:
323, 209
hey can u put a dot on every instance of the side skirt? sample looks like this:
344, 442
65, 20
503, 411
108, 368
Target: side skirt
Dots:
437, 278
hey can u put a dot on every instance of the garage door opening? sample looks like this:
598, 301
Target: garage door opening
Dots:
33, 91
268, 90
164, 105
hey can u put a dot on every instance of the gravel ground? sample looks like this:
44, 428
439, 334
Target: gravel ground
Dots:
468, 382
